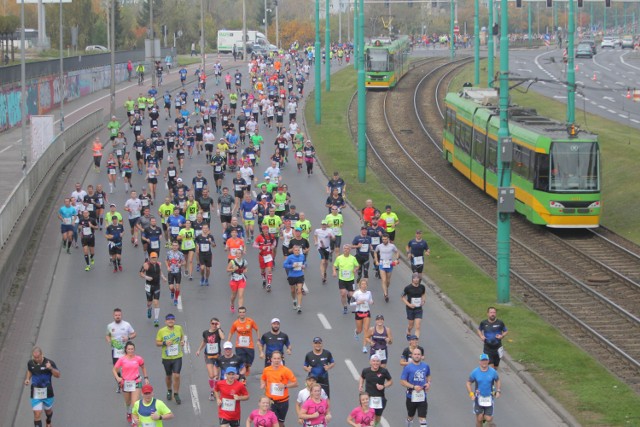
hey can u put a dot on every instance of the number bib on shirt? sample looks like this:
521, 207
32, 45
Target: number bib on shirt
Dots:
277, 389
416, 302
66, 221
375, 240
155, 244
418, 396
243, 341
267, 258
346, 274
199, 184
375, 402
386, 263
364, 247
118, 353
188, 244
382, 354
129, 386
485, 401
175, 230
151, 424
112, 171
299, 154
418, 260
147, 288
228, 405
173, 350
364, 307
248, 215
226, 210
204, 247
40, 393
212, 348
86, 231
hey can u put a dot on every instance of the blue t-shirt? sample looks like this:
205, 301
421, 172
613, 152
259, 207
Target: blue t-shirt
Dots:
175, 221
247, 207
183, 73
418, 247
484, 380
415, 374
289, 265
67, 212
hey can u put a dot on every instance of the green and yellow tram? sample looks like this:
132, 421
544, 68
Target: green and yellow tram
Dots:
386, 61
555, 169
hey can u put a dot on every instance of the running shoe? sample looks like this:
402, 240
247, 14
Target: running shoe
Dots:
68, 250
268, 288
364, 349
87, 268
212, 396
148, 313
115, 269
156, 324
206, 282
175, 302
191, 277
176, 396
355, 335
119, 267
169, 394
386, 298
118, 389
232, 308
173, 295
202, 281
93, 261
197, 268
264, 284
129, 418
299, 309
295, 304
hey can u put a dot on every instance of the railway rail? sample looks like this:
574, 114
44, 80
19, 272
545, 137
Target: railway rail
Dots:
583, 283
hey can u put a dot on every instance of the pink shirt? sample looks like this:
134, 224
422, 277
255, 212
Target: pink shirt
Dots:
130, 367
267, 420
311, 407
365, 419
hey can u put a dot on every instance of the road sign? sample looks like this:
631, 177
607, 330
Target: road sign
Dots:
456, 30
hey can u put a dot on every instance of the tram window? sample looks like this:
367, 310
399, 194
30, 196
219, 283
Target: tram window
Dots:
465, 140
541, 173
492, 155
451, 119
478, 146
574, 167
378, 60
521, 159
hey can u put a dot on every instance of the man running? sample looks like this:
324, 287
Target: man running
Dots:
171, 339
40, 370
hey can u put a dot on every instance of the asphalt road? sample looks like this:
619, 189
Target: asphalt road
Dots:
79, 304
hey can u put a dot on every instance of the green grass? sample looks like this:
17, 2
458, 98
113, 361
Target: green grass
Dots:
571, 376
619, 145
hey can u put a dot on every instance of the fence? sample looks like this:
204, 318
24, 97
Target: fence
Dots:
21, 197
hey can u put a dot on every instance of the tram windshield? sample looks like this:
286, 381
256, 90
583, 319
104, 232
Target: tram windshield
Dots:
574, 167
377, 60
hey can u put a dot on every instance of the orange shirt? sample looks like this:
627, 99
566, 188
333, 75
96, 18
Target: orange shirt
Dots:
276, 380
97, 149
233, 245
244, 330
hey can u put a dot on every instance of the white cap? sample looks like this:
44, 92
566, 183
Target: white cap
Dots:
275, 319
179, 179
227, 344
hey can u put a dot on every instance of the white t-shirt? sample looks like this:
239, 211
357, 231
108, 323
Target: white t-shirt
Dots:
209, 138
385, 252
79, 195
246, 173
363, 300
274, 173
119, 331
324, 237
305, 394
134, 205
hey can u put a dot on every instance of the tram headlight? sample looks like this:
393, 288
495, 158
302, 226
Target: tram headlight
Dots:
556, 205
595, 204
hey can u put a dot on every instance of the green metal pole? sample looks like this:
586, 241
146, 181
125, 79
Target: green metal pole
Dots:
604, 19
624, 11
591, 21
529, 24
452, 37
362, 101
555, 16
490, 47
356, 35
503, 243
327, 47
476, 43
571, 71
316, 76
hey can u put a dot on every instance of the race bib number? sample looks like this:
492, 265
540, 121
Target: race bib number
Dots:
188, 244
226, 210
418, 260
243, 341
198, 184
375, 402
192, 217
364, 306
299, 154
172, 173
281, 146
204, 247
375, 240
86, 231
382, 354
237, 277
205, 215
386, 263
272, 230
155, 244
267, 258
138, 129
118, 152
147, 288
418, 396
159, 147
336, 231
40, 393
145, 202
112, 171
416, 302
364, 247
212, 348
90, 207
346, 274
279, 206
173, 350
118, 353
151, 424
248, 215
485, 401
238, 187
175, 230
297, 266
277, 389
217, 168
129, 386
66, 221
228, 405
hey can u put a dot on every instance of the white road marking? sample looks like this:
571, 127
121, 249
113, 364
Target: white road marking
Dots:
352, 369
384, 422
5, 149
613, 112
635, 121
602, 106
187, 347
625, 62
195, 401
179, 302
624, 116
324, 321
602, 66
608, 98
560, 96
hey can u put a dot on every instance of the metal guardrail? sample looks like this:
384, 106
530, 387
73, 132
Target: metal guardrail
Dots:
19, 199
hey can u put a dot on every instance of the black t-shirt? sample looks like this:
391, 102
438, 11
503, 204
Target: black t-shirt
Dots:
302, 242
205, 203
411, 291
153, 234
85, 229
41, 377
372, 378
209, 337
406, 353
317, 362
274, 342
293, 217
116, 231
205, 242
226, 362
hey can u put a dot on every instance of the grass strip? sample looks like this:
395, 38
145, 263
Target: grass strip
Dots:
574, 378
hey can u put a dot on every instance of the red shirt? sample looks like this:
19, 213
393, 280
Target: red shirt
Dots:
265, 244
229, 408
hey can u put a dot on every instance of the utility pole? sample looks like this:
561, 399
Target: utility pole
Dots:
317, 69
327, 46
476, 43
362, 101
571, 71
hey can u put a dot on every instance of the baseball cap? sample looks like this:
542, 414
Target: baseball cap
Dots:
317, 340
298, 229
231, 370
112, 204
179, 179
411, 337
147, 388
418, 231
153, 255
227, 344
388, 207
169, 316
323, 222
292, 206
483, 356
374, 357
275, 319
379, 316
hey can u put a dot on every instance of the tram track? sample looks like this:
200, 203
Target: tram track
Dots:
593, 301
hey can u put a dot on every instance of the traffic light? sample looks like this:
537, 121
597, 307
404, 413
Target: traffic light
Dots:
549, 3
518, 3
580, 3
607, 3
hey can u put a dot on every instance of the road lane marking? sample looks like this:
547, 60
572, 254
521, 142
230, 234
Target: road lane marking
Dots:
195, 401
324, 321
624, 116
602, 106
625, 62
635, 121
384, 422
187, 347
614, 112
179, 303
5, 149
352, 369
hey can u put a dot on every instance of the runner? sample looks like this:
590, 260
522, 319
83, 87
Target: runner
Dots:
151, 271
274, 340
228, 358
133, 206
175, 262
204, 243
276, 380
379, 337
416, 250
244, 327
374, 380
126, 371
316, 410
228, 394
149, 410
405, 359
335, 221
309, 156
39, 372
188, 247
87, 225
492, 331
266, 244
414, 296
113, 234
295, 265
362, 415
362, 300
386, 257
211, 342
171, 339
362, 244
318, 362
237, 267
483, 386
119, 332
416, 377
305, 393
322, 239
67, 215
249, 209
226, 203
263, 416
345, 268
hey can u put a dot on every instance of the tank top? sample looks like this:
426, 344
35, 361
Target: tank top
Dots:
239, 273
379, 339
154, 272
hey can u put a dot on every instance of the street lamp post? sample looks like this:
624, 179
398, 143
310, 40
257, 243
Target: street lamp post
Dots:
452, 40
202, 45
244, 30
362, 101
356, 35
23, 93
112, 87
62, 88
266, 21
490, 45
153, 45
317, 69
476, 43
277, 27
327, 46
571, 71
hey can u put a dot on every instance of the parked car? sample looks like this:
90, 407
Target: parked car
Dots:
627, 42
584, 50
96, 48
608, 42
591, 43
